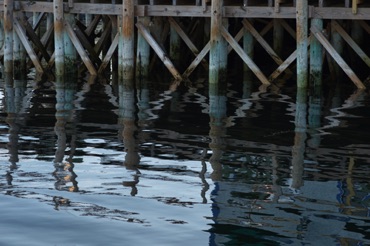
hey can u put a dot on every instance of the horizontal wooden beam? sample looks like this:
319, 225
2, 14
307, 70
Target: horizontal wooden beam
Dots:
338, 13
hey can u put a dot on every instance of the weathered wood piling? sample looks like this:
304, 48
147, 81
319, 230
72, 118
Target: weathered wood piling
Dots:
126, 39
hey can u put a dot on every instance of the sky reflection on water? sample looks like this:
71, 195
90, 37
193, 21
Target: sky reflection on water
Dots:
93, 164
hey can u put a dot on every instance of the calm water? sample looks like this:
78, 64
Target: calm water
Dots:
90, 163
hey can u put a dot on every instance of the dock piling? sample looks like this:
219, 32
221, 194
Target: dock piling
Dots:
58, 37
8, 34
302, 44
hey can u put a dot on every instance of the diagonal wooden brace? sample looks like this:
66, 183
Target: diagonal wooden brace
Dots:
330, 49
264, 44
187, 40
255, 69
31, 53
158, 50
80, 49
351, 43
109, 54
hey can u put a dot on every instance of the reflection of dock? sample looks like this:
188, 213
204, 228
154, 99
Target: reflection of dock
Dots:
126, 35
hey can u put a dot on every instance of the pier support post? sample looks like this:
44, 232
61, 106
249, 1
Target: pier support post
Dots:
115, 29
58, 38
278, 37
248, 46
175, 44
142, 53
338, 44
128, 53
70, 53
357, 34
8, 34
2, 37
302, 44
49, 25
316, 58
218, 50
19, 55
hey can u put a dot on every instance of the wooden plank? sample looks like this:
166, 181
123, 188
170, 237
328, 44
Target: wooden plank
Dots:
339, 13
109, 54
186, 39
264, 44
244, 56
80, 49
158, 50
198, 11
31, 53
351, 43
329, 48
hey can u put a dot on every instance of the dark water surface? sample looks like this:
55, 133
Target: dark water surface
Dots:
90, 163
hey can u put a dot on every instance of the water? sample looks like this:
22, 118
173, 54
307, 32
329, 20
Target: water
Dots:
89, 163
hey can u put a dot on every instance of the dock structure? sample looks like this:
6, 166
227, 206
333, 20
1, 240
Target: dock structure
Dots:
126, 37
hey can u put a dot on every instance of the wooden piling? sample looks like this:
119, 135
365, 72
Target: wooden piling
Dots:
217, 61
1, 31
314, 121
8, 34
58, 38
316, 56
278, 37
302, 43
114, 59
70, 58
248, 46
338, 44
175, 45
128, 52
19, 55
49, 26
143, 52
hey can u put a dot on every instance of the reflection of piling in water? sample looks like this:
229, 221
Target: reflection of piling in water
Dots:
217, 115
14, 92
298, 149
63, 172
314, 121
127, 118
